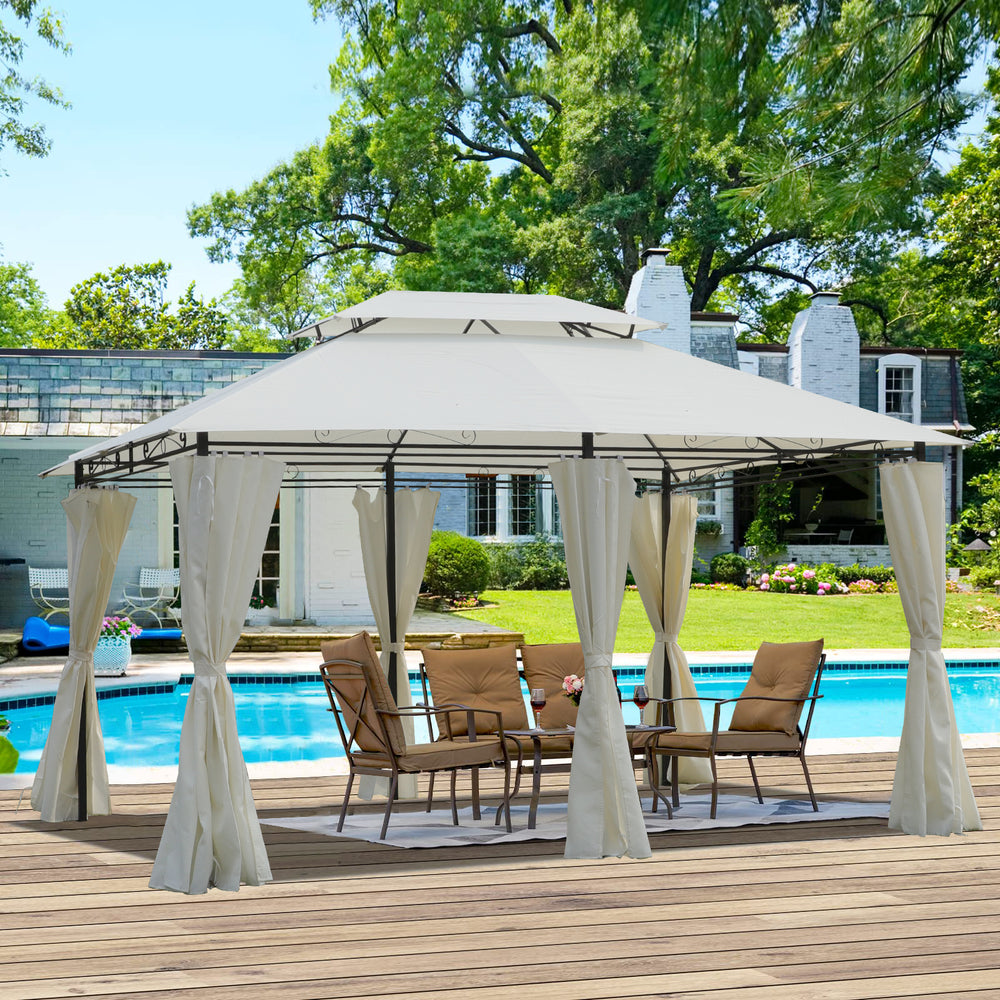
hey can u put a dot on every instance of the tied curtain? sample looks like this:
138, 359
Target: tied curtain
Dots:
604, 816
212, 835
96, 523
663, 588
414, 516
931, 791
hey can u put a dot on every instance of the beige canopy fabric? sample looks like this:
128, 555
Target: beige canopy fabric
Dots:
931, 791
664, 593
96, 524
414, 511
212, 835
604, 816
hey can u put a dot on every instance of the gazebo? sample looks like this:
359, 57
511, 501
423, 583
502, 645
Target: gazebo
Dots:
438, 384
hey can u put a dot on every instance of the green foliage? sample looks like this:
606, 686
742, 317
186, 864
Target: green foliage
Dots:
853, 573
536, 565
774, 508
729, 567
538, 146
456, 566
22, 305
125, 309
15, 87
709, 527
9, 756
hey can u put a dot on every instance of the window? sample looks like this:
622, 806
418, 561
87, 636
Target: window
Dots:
268, 570
482, 505
708, 502
899, 387
899, 392
523, 505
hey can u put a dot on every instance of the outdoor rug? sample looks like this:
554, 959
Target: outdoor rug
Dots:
435, 829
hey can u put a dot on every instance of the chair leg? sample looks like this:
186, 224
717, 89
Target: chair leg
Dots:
388, 805
756, 783
715, 787
809, 784
454, 803
675, 783
343, 808
430, 792
475, 794
506, 795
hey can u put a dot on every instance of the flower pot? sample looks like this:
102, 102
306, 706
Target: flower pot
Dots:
112, 655
261, 616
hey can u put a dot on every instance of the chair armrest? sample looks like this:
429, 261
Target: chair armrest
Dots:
446, 710
767, 697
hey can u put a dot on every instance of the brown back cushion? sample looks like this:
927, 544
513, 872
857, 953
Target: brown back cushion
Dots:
545, 666
479, 678
361, 648
780, 670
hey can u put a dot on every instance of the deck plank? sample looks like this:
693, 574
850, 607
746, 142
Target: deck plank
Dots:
830, 910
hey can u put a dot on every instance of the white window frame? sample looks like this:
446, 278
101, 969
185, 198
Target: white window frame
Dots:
900, 361
714, 514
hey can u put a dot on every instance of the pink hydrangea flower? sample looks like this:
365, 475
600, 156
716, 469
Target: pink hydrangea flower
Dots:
765, 586
794, 586
808, 574
765, 577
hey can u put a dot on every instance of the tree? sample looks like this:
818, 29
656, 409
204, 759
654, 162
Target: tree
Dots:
540, 146
125, 309
16, 16
22, 305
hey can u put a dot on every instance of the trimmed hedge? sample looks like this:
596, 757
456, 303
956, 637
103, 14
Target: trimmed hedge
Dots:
456, 566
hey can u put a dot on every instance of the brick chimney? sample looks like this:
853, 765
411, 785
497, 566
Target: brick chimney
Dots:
658, 292
824, 350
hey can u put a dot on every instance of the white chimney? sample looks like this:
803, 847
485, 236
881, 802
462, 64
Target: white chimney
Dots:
824, 350
659, 292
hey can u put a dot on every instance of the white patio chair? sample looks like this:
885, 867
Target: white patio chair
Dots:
156, 595
49, 589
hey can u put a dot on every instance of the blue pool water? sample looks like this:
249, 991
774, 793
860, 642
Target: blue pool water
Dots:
291, 721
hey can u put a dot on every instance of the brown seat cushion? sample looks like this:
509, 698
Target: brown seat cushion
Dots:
780, 670
361, 649
552, 746
439, 755
730, 741
545, 666
479, 678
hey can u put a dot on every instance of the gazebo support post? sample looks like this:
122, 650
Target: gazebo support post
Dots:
82, 806
390, 573
668, 684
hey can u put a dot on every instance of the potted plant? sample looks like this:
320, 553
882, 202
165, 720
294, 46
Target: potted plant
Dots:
709, 527
259, 612
114, 646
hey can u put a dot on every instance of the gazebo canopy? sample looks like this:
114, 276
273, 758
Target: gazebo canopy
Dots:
440, 402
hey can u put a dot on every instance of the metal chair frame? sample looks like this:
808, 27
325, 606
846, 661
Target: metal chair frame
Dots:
155, 595
41, 583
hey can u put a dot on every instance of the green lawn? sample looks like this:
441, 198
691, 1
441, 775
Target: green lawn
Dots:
718, 620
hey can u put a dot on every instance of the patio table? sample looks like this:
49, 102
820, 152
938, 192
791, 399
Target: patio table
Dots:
640, 739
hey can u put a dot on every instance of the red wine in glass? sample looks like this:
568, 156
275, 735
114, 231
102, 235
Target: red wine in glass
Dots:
641, 698
537, 700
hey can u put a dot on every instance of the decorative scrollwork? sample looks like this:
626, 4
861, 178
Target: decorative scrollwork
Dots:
322, 437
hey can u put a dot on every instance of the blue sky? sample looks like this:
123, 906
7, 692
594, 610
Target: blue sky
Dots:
171, 102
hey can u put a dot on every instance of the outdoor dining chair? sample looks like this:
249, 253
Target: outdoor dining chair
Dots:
371, 728
49, 589
765, 720
155, 595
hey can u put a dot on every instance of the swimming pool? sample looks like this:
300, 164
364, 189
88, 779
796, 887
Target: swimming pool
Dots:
285, 719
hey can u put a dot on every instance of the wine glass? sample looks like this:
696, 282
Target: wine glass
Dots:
641, 698
537, 699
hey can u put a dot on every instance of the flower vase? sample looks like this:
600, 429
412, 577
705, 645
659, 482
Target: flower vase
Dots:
112, 655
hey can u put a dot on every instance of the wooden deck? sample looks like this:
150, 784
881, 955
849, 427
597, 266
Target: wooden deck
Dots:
832, 910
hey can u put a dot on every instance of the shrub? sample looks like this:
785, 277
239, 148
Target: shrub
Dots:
536, 565
709, 527
854, 573
700, 578
456, 566
728, 567
793, 579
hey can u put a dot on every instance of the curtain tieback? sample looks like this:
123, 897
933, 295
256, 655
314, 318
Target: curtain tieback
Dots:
925, 645
395, 647
83, 655
598, 660
205, 669
665, 637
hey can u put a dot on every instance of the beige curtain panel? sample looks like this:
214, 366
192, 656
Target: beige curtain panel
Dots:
96, 524
664, 592
414, 523
604, 816
212, 835
931, 792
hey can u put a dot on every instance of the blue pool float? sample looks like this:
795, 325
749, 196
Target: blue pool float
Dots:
39, 636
